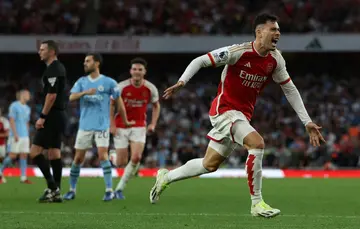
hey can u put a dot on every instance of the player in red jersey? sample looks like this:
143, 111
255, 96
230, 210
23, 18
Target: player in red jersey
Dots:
4, 133
248, 68
136, 93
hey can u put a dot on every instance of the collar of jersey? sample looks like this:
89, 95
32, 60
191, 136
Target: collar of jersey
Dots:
94, 80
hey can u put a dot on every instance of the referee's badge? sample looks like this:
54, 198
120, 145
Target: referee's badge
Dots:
101, 88
52, 81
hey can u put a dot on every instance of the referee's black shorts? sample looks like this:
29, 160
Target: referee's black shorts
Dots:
51, 135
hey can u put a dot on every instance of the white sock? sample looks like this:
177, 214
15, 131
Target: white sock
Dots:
23, 178
136, 169
254, 172
192, 168
129, 170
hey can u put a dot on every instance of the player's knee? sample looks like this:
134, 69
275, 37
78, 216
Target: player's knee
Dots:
260, 144
54, 154
23, 156
103, 156
136, 158
122, 161
254, 141
79, 159
12, 156
210, 166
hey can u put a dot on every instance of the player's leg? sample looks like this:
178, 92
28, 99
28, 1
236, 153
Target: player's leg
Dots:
54, 155
23, 168
24, 149
216, 153
122, 158
102, 139
82, 143
243, 133
75, 173
136, 149
121, 142
54, 151
6, 162
43, 164
2, 157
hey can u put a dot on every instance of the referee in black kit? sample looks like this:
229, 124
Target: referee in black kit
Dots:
50, 126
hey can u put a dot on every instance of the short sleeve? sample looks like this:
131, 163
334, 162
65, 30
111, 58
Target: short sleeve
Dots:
77, 87
52, 75
6, 124
280, 75
154, 93
12, 111
122, 85
226, 55
114, 90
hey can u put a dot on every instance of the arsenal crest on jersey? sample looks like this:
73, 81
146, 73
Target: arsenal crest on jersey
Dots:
269, 68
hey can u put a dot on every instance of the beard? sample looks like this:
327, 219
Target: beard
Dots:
89, 70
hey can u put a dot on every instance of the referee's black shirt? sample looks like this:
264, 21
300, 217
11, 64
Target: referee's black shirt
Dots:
54, 81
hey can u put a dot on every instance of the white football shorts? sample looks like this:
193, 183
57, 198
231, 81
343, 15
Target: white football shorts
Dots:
221, 135
2, 151
126, 135
84, 139
21, 146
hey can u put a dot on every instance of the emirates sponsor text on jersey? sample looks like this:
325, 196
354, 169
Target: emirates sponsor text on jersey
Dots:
252, 80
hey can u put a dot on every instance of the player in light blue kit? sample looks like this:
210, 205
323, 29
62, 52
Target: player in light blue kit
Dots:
94, 92
19, 115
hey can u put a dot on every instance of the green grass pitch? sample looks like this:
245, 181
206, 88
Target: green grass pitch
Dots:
195, 203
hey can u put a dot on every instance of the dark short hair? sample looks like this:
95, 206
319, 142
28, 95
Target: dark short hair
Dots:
262, 19
52, 45
97, 57
139, 60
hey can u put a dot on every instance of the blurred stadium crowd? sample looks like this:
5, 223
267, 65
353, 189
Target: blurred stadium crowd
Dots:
184, 120
156, 17
184, 123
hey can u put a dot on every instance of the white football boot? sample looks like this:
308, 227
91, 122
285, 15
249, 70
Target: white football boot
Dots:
160, 185
261, 209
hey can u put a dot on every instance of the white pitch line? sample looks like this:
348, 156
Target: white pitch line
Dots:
168, 214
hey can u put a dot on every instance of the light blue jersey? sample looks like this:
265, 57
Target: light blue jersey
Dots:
95, 109
21, 115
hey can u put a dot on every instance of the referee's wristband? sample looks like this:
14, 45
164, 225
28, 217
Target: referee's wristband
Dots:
43, 116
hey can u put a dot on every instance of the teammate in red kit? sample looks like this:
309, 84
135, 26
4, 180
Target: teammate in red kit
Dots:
136, 93
248, 68
4, 133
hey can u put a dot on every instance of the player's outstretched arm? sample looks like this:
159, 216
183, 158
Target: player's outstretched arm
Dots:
293, 96
194, 66
216, 58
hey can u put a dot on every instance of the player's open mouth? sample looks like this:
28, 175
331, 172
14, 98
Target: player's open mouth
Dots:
274, 41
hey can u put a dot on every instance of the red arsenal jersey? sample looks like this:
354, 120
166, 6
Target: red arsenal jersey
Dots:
245, 74
4, 127
136, 100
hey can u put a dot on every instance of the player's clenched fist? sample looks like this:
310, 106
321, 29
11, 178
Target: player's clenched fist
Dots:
173, 89
129, 123
151, 128
91, 91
